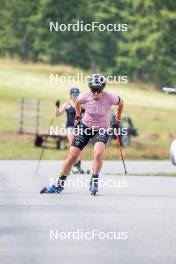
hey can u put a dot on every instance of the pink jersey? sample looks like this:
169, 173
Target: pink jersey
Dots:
97, 111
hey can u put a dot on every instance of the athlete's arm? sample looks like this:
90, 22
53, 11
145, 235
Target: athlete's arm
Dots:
78, 108
119, 110
60, 110
78, 113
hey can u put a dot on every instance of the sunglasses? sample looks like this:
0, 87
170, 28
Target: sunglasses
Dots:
95, 90
75, 94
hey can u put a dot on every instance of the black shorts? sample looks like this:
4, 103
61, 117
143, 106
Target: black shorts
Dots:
82, 137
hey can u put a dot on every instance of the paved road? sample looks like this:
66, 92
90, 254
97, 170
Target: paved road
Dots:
141, 210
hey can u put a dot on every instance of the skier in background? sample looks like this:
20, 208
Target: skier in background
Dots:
69, 108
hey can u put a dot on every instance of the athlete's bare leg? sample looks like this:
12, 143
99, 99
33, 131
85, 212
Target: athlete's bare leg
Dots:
99, 149
73, 155
70, 139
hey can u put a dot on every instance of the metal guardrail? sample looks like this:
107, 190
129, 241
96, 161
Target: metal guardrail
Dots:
31, 121
29, 109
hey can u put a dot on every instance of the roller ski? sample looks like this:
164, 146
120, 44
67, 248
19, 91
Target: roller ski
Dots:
78, 170
54, 187
93, 185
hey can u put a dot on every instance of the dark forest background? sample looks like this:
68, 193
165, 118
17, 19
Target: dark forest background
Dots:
146, 52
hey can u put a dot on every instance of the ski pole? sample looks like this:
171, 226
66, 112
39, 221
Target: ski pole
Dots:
43, 147
120, 148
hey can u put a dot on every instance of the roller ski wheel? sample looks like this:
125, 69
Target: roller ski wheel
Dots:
93, 193
44, 190
93, 188
77, 169
85, 172
80, 171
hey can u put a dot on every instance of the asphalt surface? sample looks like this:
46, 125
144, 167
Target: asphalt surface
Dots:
140, 210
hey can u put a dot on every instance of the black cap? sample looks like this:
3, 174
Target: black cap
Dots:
74, 91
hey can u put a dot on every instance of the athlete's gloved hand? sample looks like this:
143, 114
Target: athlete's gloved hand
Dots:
116, 122
77, 121
58, 103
